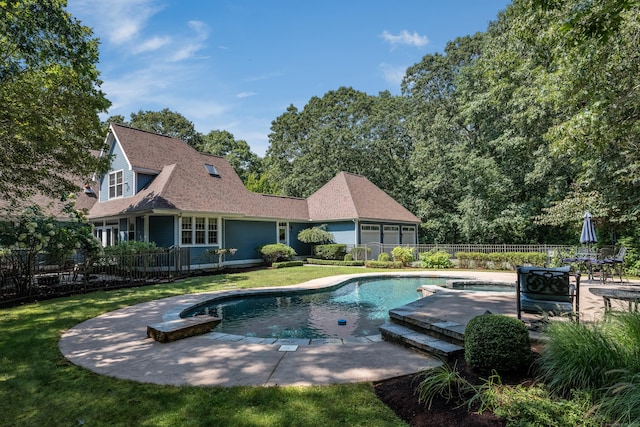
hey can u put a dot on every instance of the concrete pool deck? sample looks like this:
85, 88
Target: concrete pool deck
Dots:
116, 343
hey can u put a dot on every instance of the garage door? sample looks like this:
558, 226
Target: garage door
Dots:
369, 233
408, 235
391, 235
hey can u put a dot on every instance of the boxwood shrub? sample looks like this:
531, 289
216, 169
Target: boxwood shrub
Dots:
383, 264
276, 252
497, 342
316, 261
285, 264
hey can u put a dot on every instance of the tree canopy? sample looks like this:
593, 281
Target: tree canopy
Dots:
50, 97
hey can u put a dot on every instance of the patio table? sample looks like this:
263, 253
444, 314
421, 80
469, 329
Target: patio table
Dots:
632, 295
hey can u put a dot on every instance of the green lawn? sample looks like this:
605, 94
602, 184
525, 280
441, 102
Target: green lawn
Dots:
38, 387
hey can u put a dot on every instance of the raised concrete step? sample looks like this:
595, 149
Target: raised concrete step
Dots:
173, 330
411, 338
443, 329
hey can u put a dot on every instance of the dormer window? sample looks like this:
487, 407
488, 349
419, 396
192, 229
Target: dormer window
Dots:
115, 184
212, 170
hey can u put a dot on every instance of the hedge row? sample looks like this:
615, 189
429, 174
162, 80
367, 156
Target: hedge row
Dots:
334, 262
284, 264
383, 264
500, 260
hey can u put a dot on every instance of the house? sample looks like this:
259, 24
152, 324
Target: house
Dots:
161, 190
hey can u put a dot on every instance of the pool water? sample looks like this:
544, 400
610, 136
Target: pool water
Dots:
363, 303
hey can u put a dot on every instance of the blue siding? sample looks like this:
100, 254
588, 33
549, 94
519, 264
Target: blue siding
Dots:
119, 162
142, 180
245, 236
198, 255
161, 230
297, 245
344, 232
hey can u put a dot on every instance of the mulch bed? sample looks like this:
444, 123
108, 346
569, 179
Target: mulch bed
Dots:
400, 395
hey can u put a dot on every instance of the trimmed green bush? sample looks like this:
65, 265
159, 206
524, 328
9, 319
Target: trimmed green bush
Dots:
285, 264
383, 264
384, 257
335, 251
404, 255
276, 252
500, 260
435, 259
497, 342
348, 257
335, 262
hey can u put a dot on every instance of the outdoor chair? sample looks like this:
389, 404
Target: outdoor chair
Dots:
616, 262
547, 291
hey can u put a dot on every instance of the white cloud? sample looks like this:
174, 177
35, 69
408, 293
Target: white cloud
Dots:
245, 94
201, 29
393, 74
121, 20
405, 38
152, 44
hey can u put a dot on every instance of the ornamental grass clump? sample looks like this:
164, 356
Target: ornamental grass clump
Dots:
494, 342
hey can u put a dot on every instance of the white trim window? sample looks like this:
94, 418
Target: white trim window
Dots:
370, 228
116, 184
283, 233
198, 230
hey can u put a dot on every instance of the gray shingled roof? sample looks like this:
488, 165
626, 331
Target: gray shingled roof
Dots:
184, 184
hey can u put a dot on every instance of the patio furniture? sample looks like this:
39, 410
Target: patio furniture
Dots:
616, 262
632, 295
547, 291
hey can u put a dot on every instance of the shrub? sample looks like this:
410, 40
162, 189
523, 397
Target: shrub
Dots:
404, 255
443, 381
435, 259
384, 257
335, 262
383, 264
285, 264
348, 257
496, 342
276, 252
316, 235
334, 251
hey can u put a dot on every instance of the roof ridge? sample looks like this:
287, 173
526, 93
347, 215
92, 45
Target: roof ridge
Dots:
147, 131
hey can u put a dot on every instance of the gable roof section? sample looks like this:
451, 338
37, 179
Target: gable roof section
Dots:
183, 183
351, 196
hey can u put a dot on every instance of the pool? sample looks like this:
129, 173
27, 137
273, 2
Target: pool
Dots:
364, 304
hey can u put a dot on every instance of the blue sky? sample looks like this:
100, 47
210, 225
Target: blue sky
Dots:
236, 65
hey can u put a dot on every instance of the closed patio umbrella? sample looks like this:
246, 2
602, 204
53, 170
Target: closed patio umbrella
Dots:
588, 235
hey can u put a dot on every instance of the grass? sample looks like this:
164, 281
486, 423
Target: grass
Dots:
39, 387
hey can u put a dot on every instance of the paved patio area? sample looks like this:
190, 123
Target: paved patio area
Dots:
116, 343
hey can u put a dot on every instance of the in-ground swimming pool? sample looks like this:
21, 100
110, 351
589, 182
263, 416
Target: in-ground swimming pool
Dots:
364, 303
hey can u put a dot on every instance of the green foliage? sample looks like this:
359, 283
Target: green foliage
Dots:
168, 123
435, 259
356, 263
276, 252
383, 264
316, 235
535, 406
348, 257
286, 264
404, 255
33, 234
601, 358
50, 97
334, 251
494, 342
384, 257
128, 247
500, 260
442, 381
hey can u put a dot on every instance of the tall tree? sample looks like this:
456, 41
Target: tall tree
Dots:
168, 123
345, 130
50, 97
